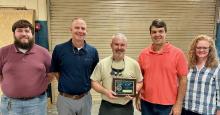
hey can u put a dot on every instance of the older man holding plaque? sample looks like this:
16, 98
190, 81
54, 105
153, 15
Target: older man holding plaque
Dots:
117, 78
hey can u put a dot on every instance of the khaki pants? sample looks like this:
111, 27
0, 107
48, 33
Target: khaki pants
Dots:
69, 106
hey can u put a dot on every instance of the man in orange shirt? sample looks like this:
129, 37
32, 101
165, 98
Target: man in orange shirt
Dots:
164, 68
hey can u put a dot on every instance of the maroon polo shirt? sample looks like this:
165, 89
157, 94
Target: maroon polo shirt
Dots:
24, 74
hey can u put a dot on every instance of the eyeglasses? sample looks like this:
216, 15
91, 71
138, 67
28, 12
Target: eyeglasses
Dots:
117, 72
202, 48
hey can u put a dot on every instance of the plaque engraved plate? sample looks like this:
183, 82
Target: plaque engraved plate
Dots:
123, 87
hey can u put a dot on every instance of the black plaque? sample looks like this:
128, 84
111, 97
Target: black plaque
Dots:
123, 87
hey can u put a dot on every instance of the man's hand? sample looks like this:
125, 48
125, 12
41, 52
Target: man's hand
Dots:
138, 102
138, 105
129, 97
176, 109
99, 88
50, 77
110, 94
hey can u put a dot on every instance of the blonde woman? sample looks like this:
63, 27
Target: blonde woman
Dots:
202, 95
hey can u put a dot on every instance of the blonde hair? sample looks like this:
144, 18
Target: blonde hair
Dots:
212, 60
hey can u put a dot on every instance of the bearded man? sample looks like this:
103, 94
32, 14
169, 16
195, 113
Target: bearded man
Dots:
118, 65
24, 73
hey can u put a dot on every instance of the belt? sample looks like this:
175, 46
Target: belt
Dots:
130, 103
28, 98
73, 96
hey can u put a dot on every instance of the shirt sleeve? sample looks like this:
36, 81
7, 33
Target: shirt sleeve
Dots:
1, 63
140, 63
218, 87
138, 73
47, 61
182, 66
96, 60
55, 61
97, 73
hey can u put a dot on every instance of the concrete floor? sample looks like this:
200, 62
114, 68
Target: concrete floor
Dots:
95, 108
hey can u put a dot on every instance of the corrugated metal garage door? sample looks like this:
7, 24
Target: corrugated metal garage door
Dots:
185, 19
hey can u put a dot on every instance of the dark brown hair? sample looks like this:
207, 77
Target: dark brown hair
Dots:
22, 24
158, 23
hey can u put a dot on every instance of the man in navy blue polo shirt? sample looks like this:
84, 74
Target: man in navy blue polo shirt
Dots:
72, 63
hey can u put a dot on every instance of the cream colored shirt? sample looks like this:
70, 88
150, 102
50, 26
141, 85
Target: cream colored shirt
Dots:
102, 74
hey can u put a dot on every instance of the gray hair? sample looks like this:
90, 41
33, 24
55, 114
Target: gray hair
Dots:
119, 35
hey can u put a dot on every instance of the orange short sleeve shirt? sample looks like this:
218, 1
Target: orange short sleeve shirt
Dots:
160, 72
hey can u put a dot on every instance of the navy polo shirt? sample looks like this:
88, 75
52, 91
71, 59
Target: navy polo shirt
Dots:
75, 67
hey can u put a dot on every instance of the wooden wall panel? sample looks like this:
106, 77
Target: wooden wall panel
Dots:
7, 19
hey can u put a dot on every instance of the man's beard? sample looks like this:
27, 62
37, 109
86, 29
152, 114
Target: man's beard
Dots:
21, 45
119, 54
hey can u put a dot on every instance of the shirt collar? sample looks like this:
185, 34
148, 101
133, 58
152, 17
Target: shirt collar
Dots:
165, 49
31, 51
84, 48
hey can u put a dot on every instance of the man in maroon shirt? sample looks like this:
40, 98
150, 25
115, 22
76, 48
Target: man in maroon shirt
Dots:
24, 73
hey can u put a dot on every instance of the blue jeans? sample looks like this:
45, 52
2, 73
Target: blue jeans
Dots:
35, 106
154, 109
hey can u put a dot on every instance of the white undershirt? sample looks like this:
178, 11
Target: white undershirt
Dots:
79, 48
22, 50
